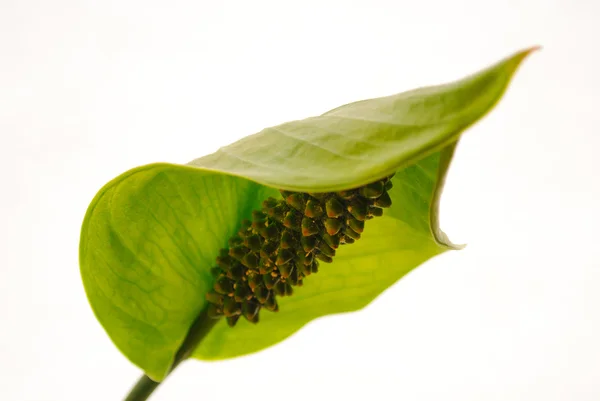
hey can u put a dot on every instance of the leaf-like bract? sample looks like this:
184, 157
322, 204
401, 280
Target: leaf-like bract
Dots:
151, 235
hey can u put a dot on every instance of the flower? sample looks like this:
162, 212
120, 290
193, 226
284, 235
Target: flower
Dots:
151, 236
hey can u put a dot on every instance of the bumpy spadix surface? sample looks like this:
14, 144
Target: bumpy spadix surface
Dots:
151, 236
284, 243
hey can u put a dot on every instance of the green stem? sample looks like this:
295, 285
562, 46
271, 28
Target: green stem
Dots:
145, 386
142, 389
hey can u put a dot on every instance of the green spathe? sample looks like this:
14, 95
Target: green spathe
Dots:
151, 236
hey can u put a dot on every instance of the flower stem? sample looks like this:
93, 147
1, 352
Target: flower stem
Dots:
145, 386
142, 389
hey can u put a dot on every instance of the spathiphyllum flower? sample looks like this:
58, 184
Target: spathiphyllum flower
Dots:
235, 251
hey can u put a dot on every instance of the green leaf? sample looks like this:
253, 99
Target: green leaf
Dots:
151, 235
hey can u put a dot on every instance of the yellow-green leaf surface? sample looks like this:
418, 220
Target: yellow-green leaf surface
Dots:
151, 235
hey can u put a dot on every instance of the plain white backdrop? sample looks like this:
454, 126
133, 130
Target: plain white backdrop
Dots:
89, 89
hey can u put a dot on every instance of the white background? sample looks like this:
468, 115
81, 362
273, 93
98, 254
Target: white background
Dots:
89, 89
